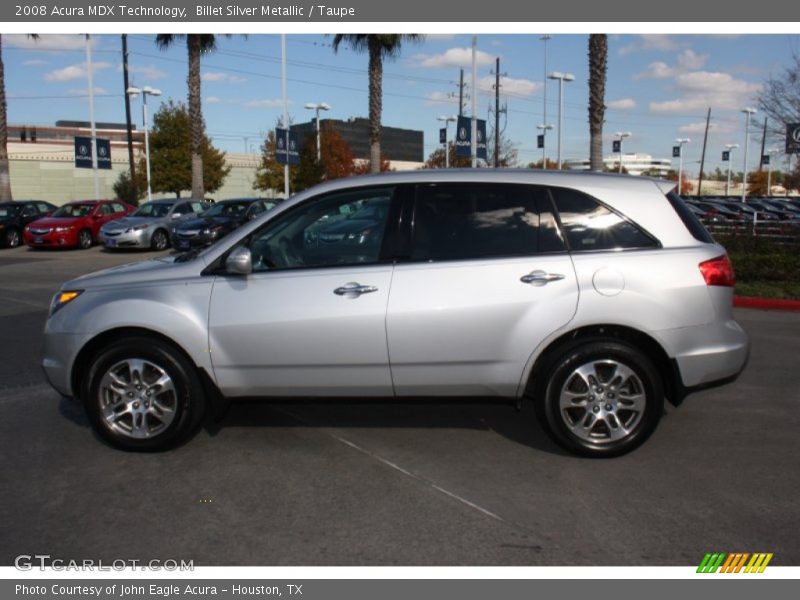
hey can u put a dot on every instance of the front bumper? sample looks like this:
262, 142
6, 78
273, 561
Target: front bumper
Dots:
54, 239
132, 239
180, 242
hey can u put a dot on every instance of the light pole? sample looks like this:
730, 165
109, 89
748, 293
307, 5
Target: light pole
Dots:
622, 135
681, 142
561, 77
145, 92
748, 112
729, 148
770, 153
318, 107
447, 121
545, 126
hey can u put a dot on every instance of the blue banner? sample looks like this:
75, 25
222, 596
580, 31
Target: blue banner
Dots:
281, 150
464, 137
83, 153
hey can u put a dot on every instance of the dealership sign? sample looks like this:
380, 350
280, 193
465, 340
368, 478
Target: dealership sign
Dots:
726, 155
464, 137
83, 153
282, 155
793, 138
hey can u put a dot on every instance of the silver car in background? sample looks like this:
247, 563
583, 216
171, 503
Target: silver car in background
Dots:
149, 226
595, 297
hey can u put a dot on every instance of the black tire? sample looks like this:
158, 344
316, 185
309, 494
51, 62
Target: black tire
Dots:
84, 239
188, 401
12, 238
602, 354
159, 240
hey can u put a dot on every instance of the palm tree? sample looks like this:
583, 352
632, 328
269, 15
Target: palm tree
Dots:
5, 180
197, 44
598, 64
378, 46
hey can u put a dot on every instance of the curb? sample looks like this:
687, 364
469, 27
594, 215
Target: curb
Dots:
765, 303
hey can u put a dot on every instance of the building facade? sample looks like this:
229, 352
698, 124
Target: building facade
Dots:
635, 163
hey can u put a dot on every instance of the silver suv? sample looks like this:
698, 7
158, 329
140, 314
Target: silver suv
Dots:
595, 296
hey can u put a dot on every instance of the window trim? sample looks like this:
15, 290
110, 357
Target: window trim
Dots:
657, 243
384, 256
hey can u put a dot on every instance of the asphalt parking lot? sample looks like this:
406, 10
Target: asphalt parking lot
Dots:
428, 483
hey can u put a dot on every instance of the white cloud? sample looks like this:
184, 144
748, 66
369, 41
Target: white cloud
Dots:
53, 42
85, 91
73, 72
222, 77
688, 60
264, 103
454, 57
440, 98
36, 62
656, 70
622, 104
212, 100
146, 72
652, 42
699, 127
510, 86
702, 89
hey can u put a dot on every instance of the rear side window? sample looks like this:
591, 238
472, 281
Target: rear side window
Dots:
472, 221
689, 219
588, 225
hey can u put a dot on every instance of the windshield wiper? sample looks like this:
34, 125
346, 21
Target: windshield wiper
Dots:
187, 256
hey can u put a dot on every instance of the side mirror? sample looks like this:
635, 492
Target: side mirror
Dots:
239, 262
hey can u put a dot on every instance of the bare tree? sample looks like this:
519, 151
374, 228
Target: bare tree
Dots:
780, 99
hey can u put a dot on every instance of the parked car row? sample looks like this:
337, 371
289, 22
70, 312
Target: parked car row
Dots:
115, 224
725, 209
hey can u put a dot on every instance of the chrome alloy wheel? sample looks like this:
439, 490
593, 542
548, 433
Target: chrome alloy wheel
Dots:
602, 401
137, 398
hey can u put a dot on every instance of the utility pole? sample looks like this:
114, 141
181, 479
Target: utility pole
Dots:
131, 162
285, 115
497, 113
763, 146
703, 155
461, 94
474, 132
91, 117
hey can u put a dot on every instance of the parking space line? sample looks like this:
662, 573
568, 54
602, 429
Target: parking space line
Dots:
397, 467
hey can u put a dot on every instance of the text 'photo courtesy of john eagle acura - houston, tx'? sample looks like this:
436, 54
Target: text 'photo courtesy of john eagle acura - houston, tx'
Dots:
596, 297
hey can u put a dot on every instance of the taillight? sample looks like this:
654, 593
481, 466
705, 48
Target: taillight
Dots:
718, 271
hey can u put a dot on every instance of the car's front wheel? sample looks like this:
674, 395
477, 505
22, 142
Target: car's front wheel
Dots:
159, 241
143, 394
600, 398
12, 238
84, 239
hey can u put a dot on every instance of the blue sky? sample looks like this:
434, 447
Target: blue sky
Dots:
659, 86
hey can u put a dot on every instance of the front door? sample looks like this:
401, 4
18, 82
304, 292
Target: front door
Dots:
311, 318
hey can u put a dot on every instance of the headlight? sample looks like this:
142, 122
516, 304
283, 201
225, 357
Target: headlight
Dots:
63, 298
137, 228
63, 229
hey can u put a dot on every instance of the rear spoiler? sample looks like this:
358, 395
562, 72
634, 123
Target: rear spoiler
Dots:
665, 186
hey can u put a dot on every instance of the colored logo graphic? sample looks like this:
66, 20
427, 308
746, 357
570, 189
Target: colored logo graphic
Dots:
735, 562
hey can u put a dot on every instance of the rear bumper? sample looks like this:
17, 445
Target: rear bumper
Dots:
707, 355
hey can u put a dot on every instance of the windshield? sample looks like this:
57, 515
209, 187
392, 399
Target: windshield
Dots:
7, 210
73, 210
372, 209
153, 209
227, 209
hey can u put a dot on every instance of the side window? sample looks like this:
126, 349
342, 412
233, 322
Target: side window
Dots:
320, 234
117, 207
182, 209
105, 209
256, 208
29, 211
464, 221
588, 225
197, 207
43, 208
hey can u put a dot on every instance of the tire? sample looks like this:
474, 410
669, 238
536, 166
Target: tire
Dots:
159, 240
12, 238
84, 239
613, 417
154, 416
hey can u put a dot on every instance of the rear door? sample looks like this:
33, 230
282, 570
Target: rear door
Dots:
486, 280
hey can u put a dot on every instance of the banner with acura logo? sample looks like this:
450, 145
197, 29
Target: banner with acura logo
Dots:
464, 137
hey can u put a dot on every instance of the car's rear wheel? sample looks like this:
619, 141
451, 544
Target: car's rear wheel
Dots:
84, 239
12, 238
143, 394
159, 241
602, 398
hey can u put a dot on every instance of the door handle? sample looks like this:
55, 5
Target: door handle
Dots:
540, 278
354, 290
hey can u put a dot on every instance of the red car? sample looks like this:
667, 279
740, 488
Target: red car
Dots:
74, 224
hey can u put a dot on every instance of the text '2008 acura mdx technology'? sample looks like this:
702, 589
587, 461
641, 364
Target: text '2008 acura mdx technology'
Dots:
596, 297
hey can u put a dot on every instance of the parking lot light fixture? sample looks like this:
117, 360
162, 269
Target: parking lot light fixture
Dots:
146, 91
621, 135
561, 78
318, 107
748, 112
447, 121
681, 142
